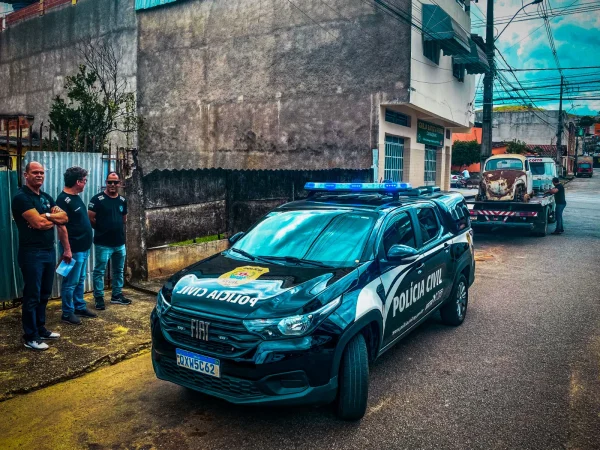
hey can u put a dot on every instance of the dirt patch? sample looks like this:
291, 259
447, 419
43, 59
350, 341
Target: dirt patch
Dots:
481, 256
117, 333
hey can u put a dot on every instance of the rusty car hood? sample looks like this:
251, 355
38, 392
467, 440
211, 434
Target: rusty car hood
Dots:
500, 184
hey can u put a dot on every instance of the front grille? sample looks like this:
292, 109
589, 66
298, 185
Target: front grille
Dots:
226, 337
231, 386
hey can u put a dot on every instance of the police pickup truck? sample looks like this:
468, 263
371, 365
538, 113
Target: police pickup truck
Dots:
301, 303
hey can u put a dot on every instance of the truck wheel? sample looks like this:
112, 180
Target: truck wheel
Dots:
454, 311
541, 229
353, 390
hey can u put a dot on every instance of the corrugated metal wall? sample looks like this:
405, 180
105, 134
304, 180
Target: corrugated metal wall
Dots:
56, 163
11, 281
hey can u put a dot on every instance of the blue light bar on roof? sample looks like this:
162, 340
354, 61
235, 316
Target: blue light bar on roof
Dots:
358, 187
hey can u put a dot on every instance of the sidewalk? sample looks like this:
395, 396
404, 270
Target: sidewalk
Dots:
117, 333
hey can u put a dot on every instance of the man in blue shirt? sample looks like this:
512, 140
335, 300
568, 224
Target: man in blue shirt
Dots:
561, 203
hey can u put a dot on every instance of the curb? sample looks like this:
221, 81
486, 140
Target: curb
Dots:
106, 360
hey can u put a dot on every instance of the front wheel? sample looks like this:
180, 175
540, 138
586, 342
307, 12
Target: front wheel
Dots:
353, 390
455, 310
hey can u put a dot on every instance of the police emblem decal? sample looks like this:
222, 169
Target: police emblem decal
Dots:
241, 275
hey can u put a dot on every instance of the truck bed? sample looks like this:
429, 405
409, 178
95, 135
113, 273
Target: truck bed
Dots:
533, 215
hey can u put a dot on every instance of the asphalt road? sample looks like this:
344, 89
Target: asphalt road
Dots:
523, 371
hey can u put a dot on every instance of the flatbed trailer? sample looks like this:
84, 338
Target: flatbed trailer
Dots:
533, 216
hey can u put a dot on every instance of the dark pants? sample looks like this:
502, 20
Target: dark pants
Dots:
38, 268
559, 216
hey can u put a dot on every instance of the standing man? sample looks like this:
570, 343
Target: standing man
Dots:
466, 174
108, 213
35, 214
561, 203
76, 240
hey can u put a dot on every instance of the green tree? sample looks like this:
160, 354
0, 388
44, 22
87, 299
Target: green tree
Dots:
97, 102
516, 147
465, 153
586, 121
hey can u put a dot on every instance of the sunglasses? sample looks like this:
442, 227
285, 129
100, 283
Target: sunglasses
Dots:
113, 182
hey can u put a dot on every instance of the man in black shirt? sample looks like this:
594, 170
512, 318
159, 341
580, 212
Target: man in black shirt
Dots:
76, 240
108, 213
561, 203
35, 215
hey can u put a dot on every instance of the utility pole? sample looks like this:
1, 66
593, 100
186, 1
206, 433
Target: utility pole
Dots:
488, 87
560, 125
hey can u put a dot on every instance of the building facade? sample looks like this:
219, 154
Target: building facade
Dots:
241, 84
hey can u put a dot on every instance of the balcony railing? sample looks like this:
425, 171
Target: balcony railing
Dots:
34, 10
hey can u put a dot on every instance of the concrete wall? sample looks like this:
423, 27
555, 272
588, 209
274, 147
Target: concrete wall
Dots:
165, 261
37, 54
434, 88
539, 127
243, 84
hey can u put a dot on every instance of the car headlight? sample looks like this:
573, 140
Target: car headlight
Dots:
162, 305
293, 326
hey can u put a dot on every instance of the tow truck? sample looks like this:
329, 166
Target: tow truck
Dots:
512, 194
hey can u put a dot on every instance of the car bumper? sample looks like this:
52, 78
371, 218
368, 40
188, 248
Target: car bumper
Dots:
283, 378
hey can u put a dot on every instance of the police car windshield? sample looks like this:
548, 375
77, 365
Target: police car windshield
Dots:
335, 238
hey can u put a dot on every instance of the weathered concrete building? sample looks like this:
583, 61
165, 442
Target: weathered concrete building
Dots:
538, 127
241, 84
40, 50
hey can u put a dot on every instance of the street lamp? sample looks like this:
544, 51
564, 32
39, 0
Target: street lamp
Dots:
534, 2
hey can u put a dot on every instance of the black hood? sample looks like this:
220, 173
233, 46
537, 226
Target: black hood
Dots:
231, 287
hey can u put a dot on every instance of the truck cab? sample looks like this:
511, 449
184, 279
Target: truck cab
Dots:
506, 178
585, 167
543, 170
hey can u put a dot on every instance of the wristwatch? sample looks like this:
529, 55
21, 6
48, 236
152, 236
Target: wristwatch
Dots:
48, 216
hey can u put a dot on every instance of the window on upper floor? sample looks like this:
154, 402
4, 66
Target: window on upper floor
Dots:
397, 118
431, 51
458, 70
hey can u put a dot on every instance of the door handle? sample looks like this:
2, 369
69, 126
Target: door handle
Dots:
420, 268
446, 247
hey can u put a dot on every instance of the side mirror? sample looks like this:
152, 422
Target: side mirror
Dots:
236, 237
402, 253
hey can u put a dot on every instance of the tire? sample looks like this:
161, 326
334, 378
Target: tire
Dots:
455, 310
353, 389
541, 230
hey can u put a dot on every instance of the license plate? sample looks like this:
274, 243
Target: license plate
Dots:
198, 363
473, 218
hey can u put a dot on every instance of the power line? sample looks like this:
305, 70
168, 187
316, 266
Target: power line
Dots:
549, 68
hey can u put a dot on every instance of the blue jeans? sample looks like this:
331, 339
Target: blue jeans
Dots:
37, 267
559, 216
73, 285
117, 259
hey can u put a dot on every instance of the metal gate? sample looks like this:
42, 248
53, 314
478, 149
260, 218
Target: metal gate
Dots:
430, 164
56, 163
394, 158
11, 281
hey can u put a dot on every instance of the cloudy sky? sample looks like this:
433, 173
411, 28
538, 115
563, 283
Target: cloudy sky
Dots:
526, 45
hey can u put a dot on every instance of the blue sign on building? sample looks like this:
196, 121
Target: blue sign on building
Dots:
145, 4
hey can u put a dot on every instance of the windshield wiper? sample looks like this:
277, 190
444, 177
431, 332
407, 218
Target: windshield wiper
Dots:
248, 255
293, 259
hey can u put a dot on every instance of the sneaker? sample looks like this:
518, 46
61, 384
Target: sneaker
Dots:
556, 232
120, 300
99, 303
49, 335
85, 313
36, 345
71, 318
